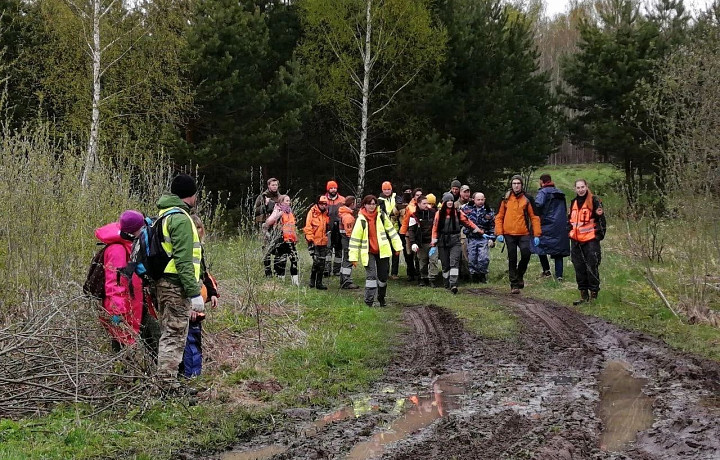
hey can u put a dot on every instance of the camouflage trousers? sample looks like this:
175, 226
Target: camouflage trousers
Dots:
174, 311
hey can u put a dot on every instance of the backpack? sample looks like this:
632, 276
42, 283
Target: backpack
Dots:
94, 285
150, 257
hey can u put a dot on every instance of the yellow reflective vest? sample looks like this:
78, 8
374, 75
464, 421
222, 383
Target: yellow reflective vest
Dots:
168, 247
388, 239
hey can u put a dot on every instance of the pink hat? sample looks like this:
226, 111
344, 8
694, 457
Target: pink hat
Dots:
131, 221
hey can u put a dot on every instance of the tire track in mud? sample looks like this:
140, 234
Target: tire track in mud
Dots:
535, 396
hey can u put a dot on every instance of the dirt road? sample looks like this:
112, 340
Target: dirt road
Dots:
569, 387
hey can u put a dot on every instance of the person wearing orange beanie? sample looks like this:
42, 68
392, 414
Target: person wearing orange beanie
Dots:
388, 202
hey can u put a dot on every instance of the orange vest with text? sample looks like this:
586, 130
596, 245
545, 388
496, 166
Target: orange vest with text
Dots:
582, 223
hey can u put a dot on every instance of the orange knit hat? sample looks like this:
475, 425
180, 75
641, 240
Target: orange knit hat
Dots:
331, 184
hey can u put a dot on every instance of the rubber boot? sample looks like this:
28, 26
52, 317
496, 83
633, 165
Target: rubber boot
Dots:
313, 274
295, 280
584, 297
482, 278
318, 281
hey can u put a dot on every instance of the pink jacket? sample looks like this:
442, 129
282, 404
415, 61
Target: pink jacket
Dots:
118, 299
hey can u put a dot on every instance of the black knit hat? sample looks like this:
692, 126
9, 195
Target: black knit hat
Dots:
183, 186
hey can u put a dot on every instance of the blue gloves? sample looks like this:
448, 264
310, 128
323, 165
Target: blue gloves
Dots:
536, 240
485, 236
432, 251
500, 239
116, 319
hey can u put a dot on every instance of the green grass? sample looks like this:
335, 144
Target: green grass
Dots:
334, 345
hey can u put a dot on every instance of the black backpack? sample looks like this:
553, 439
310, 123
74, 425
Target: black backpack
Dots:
95, 281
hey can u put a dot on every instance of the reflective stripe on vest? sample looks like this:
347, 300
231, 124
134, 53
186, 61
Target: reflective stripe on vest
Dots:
167, 245
582, 224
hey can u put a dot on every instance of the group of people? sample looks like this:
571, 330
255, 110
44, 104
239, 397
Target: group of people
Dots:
172, 285
440, 242
134, 301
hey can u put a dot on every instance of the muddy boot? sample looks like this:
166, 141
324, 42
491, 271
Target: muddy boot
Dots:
313, 273
593, 296
318, 282
546, 274
453, 289
482, 278
584, 297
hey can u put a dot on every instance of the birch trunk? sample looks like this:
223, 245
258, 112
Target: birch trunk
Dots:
367, 68
92, 148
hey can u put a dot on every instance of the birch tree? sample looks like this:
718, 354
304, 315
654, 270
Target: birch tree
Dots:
93, 15
365, 52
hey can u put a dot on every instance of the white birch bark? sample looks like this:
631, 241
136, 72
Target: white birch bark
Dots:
95, 52
367, 69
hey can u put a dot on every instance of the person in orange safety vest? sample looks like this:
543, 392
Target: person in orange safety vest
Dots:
281, 225
587, 225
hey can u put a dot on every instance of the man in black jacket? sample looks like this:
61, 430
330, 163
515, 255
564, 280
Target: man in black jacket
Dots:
420, 235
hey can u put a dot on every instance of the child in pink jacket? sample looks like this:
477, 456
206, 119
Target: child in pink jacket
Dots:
123, 300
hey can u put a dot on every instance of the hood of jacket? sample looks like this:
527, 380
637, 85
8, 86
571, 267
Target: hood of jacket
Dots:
171, 201
110, 234
345, 210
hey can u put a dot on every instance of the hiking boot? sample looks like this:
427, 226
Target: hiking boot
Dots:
514, 291
593, 295
482, 278
394, 277
318, 283
453, 289
369, 304
351, 286
382, 302
584, 297
546, 274
423, 282
560, 279
432, 284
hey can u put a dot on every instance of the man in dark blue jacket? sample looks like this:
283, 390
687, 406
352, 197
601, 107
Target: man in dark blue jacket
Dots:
550, 205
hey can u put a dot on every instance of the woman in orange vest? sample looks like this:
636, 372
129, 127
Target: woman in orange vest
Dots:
281, 224
587, 229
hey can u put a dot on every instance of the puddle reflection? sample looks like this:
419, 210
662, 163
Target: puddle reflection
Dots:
421, 412
623, 408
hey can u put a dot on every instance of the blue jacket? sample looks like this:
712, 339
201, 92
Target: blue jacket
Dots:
550, 205
483, 217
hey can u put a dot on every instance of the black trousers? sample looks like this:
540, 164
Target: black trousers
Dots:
586, 260
516, 269
283, 252
413, 268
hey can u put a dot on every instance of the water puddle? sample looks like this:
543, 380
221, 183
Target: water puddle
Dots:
421, 411
623, 408
257, 454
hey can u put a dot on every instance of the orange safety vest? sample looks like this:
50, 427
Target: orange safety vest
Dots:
582, 222
288, 227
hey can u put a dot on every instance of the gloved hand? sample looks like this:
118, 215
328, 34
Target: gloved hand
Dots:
434, 241
536, 241
198, 304
500, 239
116, 319
432, 251
414, 247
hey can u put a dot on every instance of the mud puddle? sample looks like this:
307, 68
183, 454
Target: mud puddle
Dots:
624, 409
415, 412
421, 414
